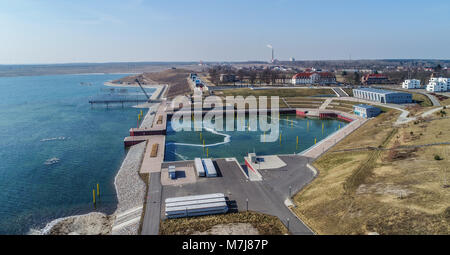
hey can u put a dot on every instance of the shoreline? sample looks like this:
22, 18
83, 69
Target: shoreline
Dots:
127, 216
93, 223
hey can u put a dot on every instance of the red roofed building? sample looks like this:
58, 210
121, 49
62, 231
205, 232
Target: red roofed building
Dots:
374, 78
313, 78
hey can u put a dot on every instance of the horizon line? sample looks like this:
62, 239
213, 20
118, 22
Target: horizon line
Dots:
219, 61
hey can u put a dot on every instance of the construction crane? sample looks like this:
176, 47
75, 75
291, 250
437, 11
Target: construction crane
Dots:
148, 98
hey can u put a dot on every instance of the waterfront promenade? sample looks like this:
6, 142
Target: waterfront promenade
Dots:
130, 184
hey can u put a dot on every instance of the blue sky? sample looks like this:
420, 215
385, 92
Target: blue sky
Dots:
35, 31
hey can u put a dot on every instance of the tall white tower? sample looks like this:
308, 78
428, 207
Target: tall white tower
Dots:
270, 46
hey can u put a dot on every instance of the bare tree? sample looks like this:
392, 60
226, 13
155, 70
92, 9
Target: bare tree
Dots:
252, 77
241, 75
273, 77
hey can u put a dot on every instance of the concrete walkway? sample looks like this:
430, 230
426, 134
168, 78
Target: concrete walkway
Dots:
433, 99
429, 112
340, 92
284, 100
325, 104
150, 225
129, 185
330, 141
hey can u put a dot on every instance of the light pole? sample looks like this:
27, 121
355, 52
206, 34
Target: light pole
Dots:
246, 200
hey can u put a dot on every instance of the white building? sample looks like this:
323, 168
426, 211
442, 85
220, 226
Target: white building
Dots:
438, 84
383, 96
304, 78
314, 78
411, 84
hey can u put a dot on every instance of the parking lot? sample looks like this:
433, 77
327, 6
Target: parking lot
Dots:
266, 196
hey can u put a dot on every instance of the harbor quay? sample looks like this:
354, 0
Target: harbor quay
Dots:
246, 186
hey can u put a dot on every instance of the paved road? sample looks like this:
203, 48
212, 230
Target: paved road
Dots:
150, 225
340, 92
433, 99
265, 196
324, 145
295, 175
432, 111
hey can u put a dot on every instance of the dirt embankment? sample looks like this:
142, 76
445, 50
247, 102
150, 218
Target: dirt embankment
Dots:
242, 223
401, 191
175, 78
230, 229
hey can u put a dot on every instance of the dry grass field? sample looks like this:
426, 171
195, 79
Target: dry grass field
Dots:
281, 103
402, 191
294, 97
265, 224
445, 101
300, 92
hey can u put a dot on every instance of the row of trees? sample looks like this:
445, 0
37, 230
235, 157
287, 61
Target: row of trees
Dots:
397, 77
252, 77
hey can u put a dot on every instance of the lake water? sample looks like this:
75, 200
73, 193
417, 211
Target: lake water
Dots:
55, 148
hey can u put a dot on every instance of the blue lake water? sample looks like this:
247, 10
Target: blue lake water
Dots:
45, 117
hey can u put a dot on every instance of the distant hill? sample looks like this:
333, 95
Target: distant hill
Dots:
81, 68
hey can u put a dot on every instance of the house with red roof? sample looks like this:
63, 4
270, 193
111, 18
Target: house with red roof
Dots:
374, 78
313, 78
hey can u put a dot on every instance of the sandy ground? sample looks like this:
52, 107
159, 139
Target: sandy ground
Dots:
230, 229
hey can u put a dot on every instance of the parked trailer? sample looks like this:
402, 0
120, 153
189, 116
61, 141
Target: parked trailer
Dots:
197, 210
194, 198
195, 202
209, 168
196, 205
199, 167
